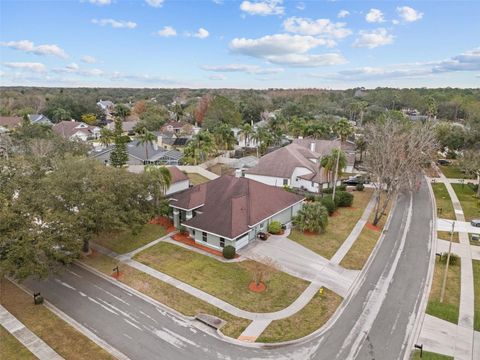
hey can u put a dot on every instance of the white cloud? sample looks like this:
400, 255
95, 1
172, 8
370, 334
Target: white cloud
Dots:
301, 5
374, 16
263, 8
28, 66
467, 61
249, 69
217, 77
30, 47
409, 14
218, 2
201, 33
116, 24
343, 14
374, 38
167, 31
88, 59
323, 27
307, 60
74, 69
155, 3
100, 2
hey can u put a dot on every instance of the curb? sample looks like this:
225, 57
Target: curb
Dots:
79, 327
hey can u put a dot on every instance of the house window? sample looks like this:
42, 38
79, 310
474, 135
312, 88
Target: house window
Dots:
313, 184
285, 182
204, 236
193, 232
222, 242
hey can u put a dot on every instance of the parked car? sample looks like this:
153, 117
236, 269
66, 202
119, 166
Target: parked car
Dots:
475, 222
357, 179
476, 237
443, 162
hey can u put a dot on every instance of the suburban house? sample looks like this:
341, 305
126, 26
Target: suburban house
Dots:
127, 126
232, 210
178, 127
106, 105
141, 154
39, 119
8, 123
76, 130
179, 181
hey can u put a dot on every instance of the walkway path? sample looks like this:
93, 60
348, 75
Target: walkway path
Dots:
31, 341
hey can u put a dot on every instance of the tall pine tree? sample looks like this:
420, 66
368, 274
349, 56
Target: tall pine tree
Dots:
119, 156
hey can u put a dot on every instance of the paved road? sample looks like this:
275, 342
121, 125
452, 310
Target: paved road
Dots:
374, 325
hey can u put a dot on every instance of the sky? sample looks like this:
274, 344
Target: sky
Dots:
239, 44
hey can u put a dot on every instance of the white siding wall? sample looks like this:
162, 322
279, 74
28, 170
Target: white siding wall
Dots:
308, 185
178, 186
269, 180
299, 171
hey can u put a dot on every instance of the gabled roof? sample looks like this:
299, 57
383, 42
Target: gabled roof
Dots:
176, 175
69, 128
10, 121
175, 124
230, 206
325, 147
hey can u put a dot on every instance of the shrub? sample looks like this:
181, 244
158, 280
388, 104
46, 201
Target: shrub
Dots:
329, 204
338, 188
345, 198
229, 252
310, 197
360, 187
454, 259
312, 217
275, 227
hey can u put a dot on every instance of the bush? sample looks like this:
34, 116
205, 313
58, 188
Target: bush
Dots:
329, 204
454, 259
338, 188
360, 187
310, 198
275, 227
229, 252
345, 199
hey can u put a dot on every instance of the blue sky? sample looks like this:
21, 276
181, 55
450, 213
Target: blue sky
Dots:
240, 44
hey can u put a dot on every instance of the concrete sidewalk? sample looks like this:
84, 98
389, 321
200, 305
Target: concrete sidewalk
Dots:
31, 341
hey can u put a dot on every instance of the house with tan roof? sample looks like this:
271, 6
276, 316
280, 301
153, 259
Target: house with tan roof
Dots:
179, 181
232, 210
76, 130
8, 123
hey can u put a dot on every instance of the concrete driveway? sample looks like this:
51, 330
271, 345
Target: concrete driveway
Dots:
460, 226
301, 262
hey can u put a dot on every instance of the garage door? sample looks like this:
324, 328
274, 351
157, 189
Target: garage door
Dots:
241, 242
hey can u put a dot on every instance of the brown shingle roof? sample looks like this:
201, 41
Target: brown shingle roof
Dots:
68, 128
324, 147
10, 121
177, 175
229, 205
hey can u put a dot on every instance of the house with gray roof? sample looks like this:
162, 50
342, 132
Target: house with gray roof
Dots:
232, 210
39, 119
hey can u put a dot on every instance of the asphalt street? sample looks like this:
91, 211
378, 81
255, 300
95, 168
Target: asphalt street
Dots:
375, 323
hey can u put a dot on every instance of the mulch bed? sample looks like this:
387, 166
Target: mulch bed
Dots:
373, 227
256, 288
309, 233
163, 221
187, 240
117, 275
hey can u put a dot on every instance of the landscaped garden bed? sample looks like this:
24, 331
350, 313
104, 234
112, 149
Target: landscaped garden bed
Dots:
227, 281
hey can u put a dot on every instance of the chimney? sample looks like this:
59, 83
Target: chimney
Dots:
238, 173
312, 146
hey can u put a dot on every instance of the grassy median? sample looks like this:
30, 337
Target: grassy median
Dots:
444, 203
126, 241
476, 282
470, 203
60, 336
429, 356
227, 281
339, 227
310, 318
445, 235
11, 348
448, 309
166, 294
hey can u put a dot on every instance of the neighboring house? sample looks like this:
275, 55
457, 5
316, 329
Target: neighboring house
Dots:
8, 123
325, 147
76, 130
179, 181
232, 210
178, 127
39, 119
137, 155
127, 127
414, 115
170, 140
106, 105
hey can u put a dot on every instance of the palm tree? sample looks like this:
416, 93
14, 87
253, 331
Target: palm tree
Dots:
312, 217
343, 130
361, 145
296, 126
263, 138
246, 130
336, 160
224, 137
200, 147
146, 138
106, 136
161, 178
316, 130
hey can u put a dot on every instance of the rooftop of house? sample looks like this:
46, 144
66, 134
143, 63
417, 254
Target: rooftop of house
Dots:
10, 121
39, 119
177, 175
137, 150
127, 125
324, 147
175, 124
69, 128
230, 206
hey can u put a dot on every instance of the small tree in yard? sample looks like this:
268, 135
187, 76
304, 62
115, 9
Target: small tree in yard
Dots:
261, 268
396, 153
471, 165
312, 217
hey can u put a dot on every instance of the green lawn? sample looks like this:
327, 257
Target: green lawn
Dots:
453, 172
125, 241
444, 203
227, 281
11, 348
470, 204
448, 310
445, 235
361, 249
196, 179
429, 356
166, 294
60, 336
476, 277
310, 318
339, 227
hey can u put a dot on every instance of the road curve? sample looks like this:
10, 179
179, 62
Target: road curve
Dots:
375, 323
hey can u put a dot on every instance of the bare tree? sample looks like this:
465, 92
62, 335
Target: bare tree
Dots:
397, 152
261, 268
471, 165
